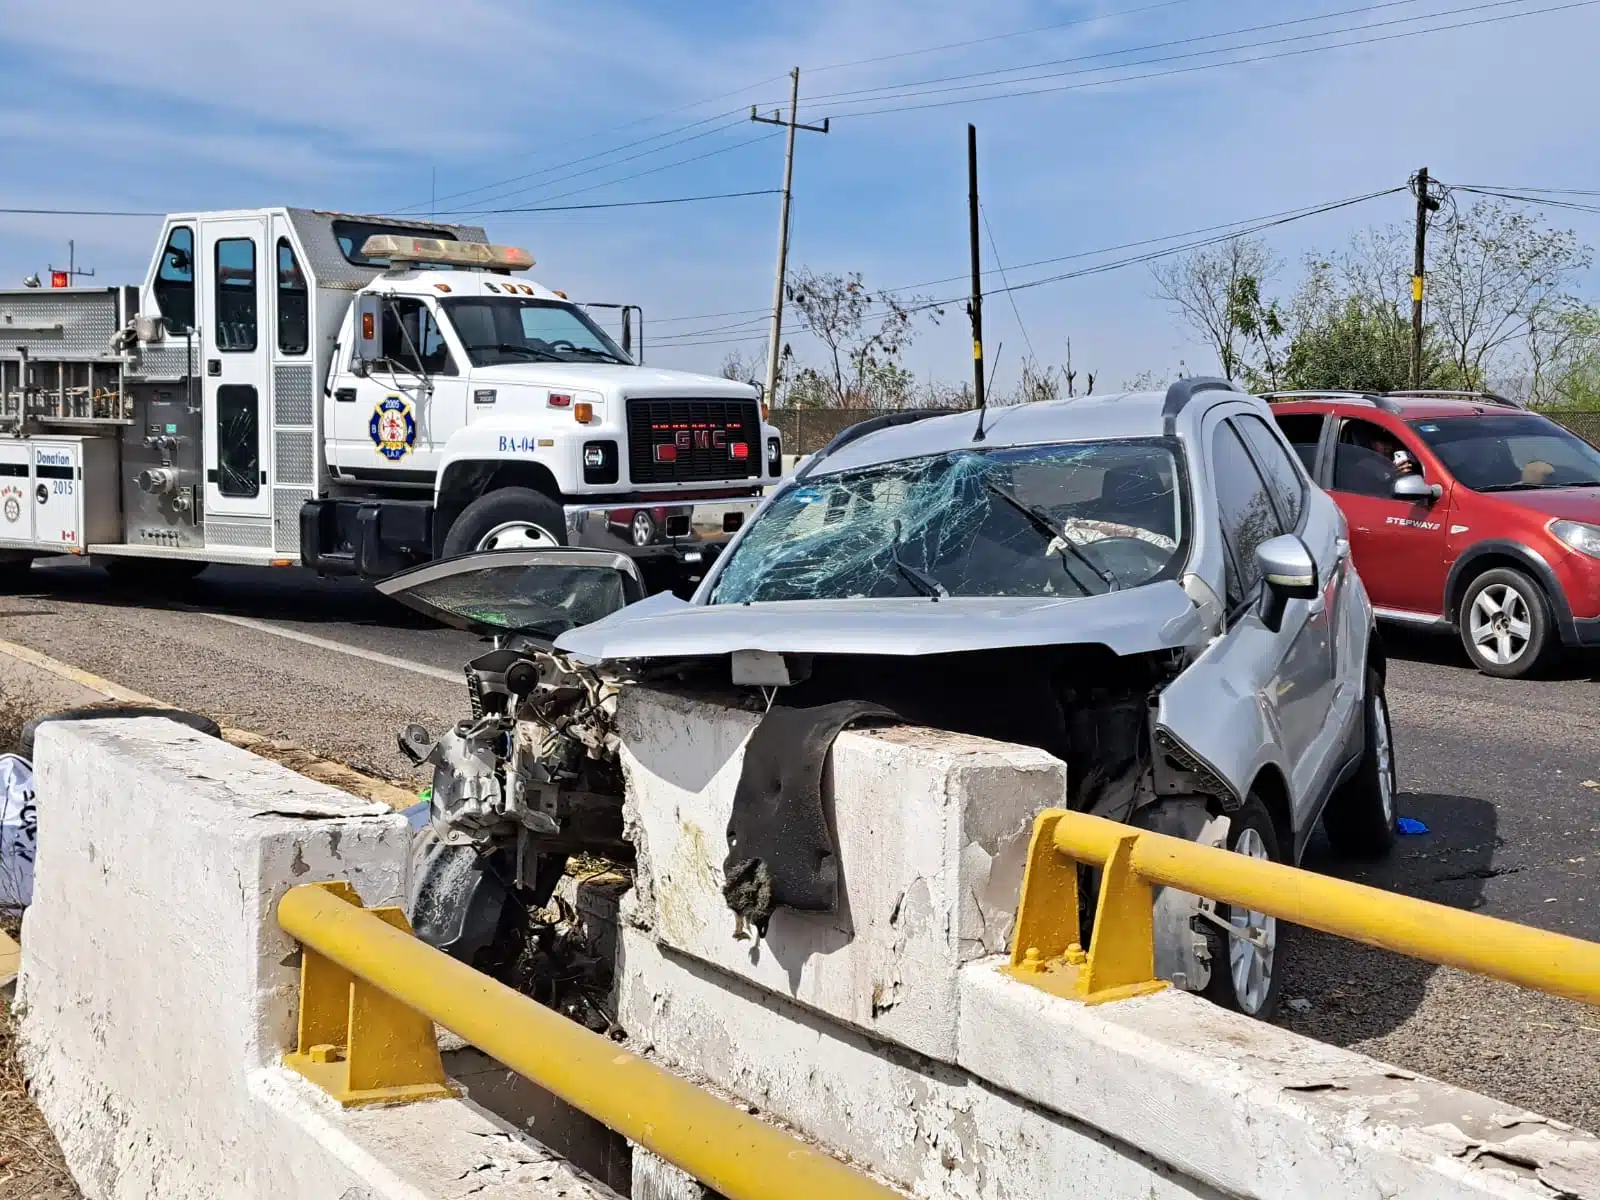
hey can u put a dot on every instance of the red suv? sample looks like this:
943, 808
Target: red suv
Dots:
1464, 511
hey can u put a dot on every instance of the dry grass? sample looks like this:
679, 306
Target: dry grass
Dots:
31, 1167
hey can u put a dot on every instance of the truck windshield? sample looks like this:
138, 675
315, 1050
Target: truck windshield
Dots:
1509, 452
503, 329
1065, 520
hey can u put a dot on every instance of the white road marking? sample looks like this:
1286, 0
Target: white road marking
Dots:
310, 639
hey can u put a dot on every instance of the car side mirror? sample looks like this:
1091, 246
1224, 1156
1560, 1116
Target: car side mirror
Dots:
1415, 487
1288, 572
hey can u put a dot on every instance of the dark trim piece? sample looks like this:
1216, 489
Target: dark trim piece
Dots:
1184, 390
1459, 580
860, 430
19, 470
384, 475
42, 471
1586, 631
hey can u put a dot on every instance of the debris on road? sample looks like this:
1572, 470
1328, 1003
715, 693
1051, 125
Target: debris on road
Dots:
1410, 826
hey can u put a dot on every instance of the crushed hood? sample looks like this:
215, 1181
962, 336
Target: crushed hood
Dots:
1155, 617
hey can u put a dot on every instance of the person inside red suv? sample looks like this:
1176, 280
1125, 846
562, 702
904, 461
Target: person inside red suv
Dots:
1476, 515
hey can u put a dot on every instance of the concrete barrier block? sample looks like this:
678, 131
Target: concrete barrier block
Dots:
158, 994
932, 831
920, 1124
1254, 1110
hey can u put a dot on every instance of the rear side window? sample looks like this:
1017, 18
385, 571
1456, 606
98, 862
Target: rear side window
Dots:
235, 287
1304, 431
1247, 515
1288, 488
294, 309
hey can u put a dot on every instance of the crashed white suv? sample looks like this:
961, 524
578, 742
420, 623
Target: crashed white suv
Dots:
1147, 586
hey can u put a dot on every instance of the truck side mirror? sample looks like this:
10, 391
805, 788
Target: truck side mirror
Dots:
369, 327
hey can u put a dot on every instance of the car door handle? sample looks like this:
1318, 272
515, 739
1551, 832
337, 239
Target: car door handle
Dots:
345, 395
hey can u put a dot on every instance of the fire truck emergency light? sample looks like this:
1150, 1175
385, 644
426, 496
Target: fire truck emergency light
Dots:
399, 249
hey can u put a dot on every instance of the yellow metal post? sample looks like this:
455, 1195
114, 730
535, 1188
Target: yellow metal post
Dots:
1122, 955
358, 1044
730, 1151
1533, 958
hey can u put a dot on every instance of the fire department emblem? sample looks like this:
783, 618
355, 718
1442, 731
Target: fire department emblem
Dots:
12, 505
393, 428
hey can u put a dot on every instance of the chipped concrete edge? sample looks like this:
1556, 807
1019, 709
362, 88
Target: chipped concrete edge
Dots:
295, 757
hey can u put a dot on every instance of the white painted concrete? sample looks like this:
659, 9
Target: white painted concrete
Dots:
886, 1031
157, 993
931, 828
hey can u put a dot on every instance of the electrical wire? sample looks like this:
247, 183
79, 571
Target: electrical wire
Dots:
76, 212
546, 208
1548, 201
994, 37
900, 88
1011, 296
1244, 61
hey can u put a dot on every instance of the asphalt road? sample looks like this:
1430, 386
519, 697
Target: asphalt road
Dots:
1497, 770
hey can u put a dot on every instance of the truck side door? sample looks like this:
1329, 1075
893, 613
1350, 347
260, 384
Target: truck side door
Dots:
391, 424
233, 263
1398, 545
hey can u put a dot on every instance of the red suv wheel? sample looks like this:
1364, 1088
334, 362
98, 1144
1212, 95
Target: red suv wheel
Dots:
1504, 623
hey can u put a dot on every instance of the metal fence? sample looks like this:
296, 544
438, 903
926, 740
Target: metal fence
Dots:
1584, 423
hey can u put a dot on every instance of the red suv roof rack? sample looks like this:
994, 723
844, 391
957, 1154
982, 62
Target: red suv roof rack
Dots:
1376, 399
1494, 398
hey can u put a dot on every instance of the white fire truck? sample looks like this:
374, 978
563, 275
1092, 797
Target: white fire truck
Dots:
357, 395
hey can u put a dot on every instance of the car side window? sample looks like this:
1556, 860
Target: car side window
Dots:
1304, 432
1287, 485
1369, 458
1247, 514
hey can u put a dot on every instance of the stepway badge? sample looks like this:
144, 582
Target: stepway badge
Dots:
393, 428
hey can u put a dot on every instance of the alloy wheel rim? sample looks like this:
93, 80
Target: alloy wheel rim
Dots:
1385, 753
1250, 964
517, 535
1500, 624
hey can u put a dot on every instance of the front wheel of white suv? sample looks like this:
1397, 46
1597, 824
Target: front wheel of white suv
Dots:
1246, 947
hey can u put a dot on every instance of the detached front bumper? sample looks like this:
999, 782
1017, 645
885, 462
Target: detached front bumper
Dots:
689, 535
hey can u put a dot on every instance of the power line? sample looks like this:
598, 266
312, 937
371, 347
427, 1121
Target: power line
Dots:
1258, 58
996, 37
1548, 201
1217, 233
614, 129
899, 88
989, 229
615, 203
76, 212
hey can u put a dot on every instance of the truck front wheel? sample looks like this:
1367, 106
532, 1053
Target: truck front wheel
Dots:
507, 519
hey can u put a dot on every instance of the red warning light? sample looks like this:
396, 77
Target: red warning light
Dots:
58, 279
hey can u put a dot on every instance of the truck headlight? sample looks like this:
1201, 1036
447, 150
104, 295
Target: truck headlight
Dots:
1581, 536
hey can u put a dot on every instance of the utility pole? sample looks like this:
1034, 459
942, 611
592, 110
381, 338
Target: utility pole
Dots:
775, 333
1425, 205
975, 305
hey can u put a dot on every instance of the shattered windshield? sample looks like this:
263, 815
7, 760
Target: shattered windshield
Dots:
1073, 519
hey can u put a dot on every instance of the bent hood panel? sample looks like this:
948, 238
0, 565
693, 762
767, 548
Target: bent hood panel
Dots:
1157, 617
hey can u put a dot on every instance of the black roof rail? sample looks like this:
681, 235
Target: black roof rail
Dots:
1184, 390
1472, 397
871, 425
1378, 400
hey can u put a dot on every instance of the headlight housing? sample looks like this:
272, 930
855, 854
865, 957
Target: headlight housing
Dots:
1579, 535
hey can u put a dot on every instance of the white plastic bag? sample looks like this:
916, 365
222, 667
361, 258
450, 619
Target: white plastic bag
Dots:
19, 831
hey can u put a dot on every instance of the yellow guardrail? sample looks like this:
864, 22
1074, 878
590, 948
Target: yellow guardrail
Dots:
1120, 961
370, 994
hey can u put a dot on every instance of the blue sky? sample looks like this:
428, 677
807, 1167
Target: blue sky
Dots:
363, 105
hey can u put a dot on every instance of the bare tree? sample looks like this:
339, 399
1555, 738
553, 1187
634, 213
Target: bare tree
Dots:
1498, 277
745, 370
863, 335
1210, 288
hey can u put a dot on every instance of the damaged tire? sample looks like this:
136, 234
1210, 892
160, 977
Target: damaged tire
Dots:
1246, 947
1359, 819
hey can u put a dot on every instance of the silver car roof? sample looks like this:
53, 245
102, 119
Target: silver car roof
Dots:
1086, 418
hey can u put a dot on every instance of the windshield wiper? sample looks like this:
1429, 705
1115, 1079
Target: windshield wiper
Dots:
516, 348
916, 576
598, 353
1046, 524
